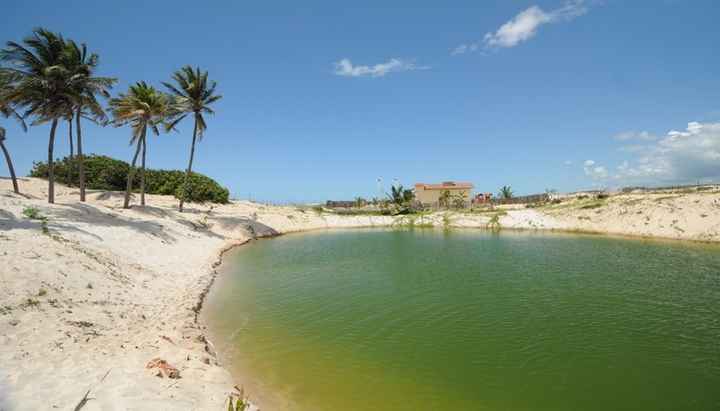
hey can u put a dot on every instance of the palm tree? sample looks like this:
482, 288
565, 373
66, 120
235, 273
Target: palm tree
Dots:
193, 95
42, 89
400, 196
6, 110
142, 107
69, 119
506, 193
85, 89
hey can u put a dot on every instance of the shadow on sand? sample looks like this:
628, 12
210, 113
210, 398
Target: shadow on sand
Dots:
64, 217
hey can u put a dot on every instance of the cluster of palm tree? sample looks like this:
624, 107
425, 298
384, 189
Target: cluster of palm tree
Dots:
49, 79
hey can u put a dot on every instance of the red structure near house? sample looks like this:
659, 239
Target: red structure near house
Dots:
482, 198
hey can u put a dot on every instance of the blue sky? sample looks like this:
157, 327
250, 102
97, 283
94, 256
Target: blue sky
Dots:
321, 99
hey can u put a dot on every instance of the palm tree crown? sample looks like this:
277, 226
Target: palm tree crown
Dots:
86, 87
7, 85
43, 87
143, 106
193, 94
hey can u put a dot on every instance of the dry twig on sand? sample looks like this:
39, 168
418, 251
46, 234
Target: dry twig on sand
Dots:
85, 398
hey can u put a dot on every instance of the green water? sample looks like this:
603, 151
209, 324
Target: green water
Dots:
468, 320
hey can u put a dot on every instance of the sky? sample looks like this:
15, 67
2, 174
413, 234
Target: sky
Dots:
322, 99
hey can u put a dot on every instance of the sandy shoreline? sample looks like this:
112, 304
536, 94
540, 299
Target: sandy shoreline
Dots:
108, 290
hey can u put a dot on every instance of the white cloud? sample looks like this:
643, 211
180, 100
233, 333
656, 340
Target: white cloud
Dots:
465, 48
678, 157
345, 68
568, 162
634, 135
521, 28
525, 26
594, 171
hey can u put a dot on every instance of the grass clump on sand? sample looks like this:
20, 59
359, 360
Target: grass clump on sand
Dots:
239, 404
494, 223
593, 205
33, 213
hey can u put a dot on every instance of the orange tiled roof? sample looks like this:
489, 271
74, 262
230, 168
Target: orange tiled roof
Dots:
445, 185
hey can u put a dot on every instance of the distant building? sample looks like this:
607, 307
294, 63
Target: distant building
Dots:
446, 194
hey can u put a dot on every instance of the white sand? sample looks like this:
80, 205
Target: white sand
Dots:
119, 287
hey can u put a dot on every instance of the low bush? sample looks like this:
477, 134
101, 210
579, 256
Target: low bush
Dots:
105, 173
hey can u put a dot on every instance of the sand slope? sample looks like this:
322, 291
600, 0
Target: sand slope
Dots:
108, 290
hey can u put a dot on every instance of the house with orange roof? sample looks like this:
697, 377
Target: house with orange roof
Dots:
445, 194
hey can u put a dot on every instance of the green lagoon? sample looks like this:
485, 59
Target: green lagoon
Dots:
428, 319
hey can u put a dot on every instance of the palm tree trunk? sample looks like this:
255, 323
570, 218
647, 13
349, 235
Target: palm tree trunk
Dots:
72, 153
10, 166
186, 183
142, 171
81, 159
51, 165
131, 172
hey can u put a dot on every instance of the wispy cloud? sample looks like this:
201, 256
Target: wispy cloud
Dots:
678, 157
594, 171
635, 135
345, 68
524, 26
465, 48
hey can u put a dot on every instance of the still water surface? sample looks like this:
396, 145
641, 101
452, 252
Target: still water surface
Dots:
469, 320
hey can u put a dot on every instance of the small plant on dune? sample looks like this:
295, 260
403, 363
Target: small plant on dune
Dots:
593, 205
30, 302
494, 223
34, 214
241, 404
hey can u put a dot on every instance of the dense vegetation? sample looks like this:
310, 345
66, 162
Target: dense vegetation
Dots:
105, 173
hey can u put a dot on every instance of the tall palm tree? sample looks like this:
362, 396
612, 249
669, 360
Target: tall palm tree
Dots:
85, 89
42, 88
142, 107
193, 95
7, 111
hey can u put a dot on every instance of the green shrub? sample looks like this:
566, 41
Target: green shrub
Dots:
105, 173
34, 214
